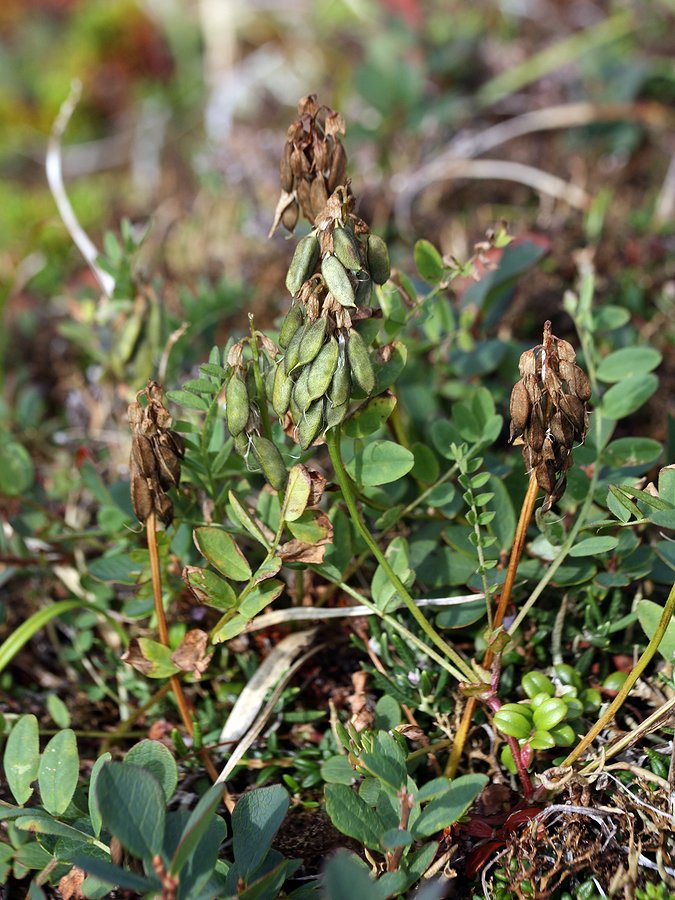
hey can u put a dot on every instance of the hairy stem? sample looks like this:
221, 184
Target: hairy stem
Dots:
333, 443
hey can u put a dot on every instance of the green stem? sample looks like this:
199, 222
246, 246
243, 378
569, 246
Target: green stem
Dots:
639, 668
401, 629
333, 443
259, 384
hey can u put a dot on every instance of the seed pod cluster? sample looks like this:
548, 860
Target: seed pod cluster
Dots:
313, 163
156, 453
549, 412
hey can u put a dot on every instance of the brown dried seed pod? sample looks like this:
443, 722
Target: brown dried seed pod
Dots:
535, 432
338, 167
545, 475
318, 196
571, 406
519, 407
163, 508
299, 162
143, 456
302, 191
528, 363
141, 497
168, 463
565, 350
562, 430
289, 217
321, 153
285, 168
531, 459
581, 385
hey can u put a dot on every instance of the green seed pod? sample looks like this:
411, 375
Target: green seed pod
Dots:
359, 360
301, 396
378, 259
281, 391
337, 280
303, 262
241, 443
336, 414
311, 341
341, 385
364, 287
535, 683
271, 461
237, 410
320, 373
310, 423
345, 248
549, 714
295, 317
293, 349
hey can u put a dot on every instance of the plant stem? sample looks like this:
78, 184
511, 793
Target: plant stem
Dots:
526, 511
333, 443
502, 605
639, 668
163, 634
125, 727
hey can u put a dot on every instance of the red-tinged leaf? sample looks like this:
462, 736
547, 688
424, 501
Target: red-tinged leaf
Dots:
479, 828
520, 817
477, 859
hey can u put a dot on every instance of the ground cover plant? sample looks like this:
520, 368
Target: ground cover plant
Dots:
380, 604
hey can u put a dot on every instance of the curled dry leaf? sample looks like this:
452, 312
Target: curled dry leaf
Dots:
191, 655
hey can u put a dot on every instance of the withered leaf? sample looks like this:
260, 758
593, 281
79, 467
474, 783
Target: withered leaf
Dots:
299, 551
191, 655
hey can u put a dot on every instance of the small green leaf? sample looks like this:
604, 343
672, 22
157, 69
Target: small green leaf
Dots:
297, 494
448, 808
22, 758
94, 811
16, 468
429, 261
260, 597
256, 819
628, 396
352, 816
197, 825
151, 658
628, 362
649, 615
380, 462
347, 877
219, 547
461, 615
115, 875
631, 451
156, 758
58, 711
59, 771
209, 588
387, 713
370, 417
337, 770
594, 546
549, 713
386, 761
132, 806
188, 400
247, 521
